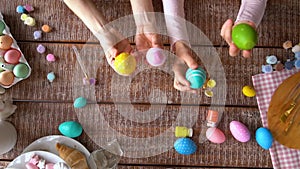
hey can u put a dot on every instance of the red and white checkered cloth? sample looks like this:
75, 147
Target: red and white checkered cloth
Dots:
265, 85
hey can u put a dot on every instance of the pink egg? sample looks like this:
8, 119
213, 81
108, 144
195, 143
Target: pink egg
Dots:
155, 57
12, 56
215, 135
239, 131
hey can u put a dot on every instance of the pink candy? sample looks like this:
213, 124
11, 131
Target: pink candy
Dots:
50, 58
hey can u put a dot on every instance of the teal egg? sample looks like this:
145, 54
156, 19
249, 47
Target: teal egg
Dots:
80, 102
21, 70
264, 138
70, 129
196, 77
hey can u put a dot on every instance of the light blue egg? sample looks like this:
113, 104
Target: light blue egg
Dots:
264, 137
70, 129
185, 146
80, 102
196, 77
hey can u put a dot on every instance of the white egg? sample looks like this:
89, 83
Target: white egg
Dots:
8, 137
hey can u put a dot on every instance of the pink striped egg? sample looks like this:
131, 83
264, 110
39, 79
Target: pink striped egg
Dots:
215, 135
239, 131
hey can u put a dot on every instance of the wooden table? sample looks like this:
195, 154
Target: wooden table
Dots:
42, 106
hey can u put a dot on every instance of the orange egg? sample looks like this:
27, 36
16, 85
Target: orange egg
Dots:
6, 78
5, 42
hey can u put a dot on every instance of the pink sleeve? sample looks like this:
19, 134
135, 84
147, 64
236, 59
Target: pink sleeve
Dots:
252, 10
175, 22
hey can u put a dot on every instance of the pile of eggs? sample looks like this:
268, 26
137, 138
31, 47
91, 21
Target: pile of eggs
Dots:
14, 66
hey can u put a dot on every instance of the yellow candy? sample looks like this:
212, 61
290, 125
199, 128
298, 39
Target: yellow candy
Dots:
125, 64
24, 16
211, 83
248, 91
29, 21
209, 93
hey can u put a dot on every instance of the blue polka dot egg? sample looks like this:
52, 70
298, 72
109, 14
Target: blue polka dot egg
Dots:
196, 77
185, 146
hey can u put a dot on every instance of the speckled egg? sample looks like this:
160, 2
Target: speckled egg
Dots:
264, 137
21, 70
215, 135
185, 146
196, 77
70, 129
5, 42
239, 131
125, 64
155, 57
80, 102
6, 78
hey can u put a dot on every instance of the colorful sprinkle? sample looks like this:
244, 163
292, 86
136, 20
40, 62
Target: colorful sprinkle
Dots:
21, 9
289, 65
41, 49
29, 21
279, 66
208, 93
211, 83
24, 16
51, 76
28, 8
46, 28
37, 34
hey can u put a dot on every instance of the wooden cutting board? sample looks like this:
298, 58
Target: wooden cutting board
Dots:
280, 102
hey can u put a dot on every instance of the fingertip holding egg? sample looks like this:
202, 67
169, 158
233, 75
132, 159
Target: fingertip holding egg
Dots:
185, 146
244, 36
70, 129
239, 131
264, 138
156, 57
80, 102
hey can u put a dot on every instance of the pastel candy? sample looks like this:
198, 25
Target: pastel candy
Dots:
21, 70
12, 56
28, 8
196, 77
46, 28
29, 21
267, 68
239, 131
50, 58
6, 78
279, 66
155, 57
271, 59
296, 48
51, 76
37, 34
41, 49
20, 9
5, 42
2, 27
23, 17
297, 55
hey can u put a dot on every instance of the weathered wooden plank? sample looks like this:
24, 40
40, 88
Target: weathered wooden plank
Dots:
35, 120
279, 24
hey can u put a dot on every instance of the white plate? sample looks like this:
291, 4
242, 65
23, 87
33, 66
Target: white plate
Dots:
24, 158
48, 143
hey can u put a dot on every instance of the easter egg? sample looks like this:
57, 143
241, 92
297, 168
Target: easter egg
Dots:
264, 137
185, 146
70, 129
5, 42
248, 91
215, 135
196, 77
21, 70
239, 131
244, 36
2, 27
8, 137
155, 57
12, 56
125, 64
6, 78
80, 102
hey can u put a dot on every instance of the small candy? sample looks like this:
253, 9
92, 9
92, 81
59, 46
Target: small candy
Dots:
21, 70
2, 27
21, 9
271, 59
50, 58
37, 34
89, 81
297, 55
46, 28
267, 68
296, 48
297, 64
239, 131
23, 17
264, 138
29, 21
5, 42
28, 8
80, 102
209, 93
6, 78
289, 65
279, 66
248, 91
70, 129
288, 44
211, 83
12, 56
41, 49
51, 76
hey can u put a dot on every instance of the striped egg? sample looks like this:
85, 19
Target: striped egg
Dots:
196, 77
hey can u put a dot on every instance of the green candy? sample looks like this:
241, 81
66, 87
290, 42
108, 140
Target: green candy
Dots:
244, 36
2, 27
21, 70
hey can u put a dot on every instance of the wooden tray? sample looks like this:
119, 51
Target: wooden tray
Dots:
280, 102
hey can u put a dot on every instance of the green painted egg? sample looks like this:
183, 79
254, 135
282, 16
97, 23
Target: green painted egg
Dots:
70, 129
244, 36
21, 70
80, 102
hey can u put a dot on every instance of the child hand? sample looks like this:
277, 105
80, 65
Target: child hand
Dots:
145, 41
184, 53
226, 34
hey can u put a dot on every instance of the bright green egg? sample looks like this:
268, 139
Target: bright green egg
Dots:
70, 129
80, 102
244, 36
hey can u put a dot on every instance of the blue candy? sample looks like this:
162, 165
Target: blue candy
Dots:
289, 65
264, 137
267, 68
196, 77
297, 64
80, 102
271, 59
21, 9
185, 146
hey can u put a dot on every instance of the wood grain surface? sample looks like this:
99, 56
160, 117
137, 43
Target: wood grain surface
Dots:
42, 106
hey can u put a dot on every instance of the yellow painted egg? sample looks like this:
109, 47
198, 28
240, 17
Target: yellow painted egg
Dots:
125, 64
248, 91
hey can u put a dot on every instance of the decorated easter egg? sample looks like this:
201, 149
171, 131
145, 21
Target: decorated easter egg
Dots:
239, 131
196, 77
155, 57
264, 137
6, 78
244, 36
5, 42
248, 91
21, 70
80, 102
12, 56
8, 137
125, 64
215, 135
185, 146
70, 129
